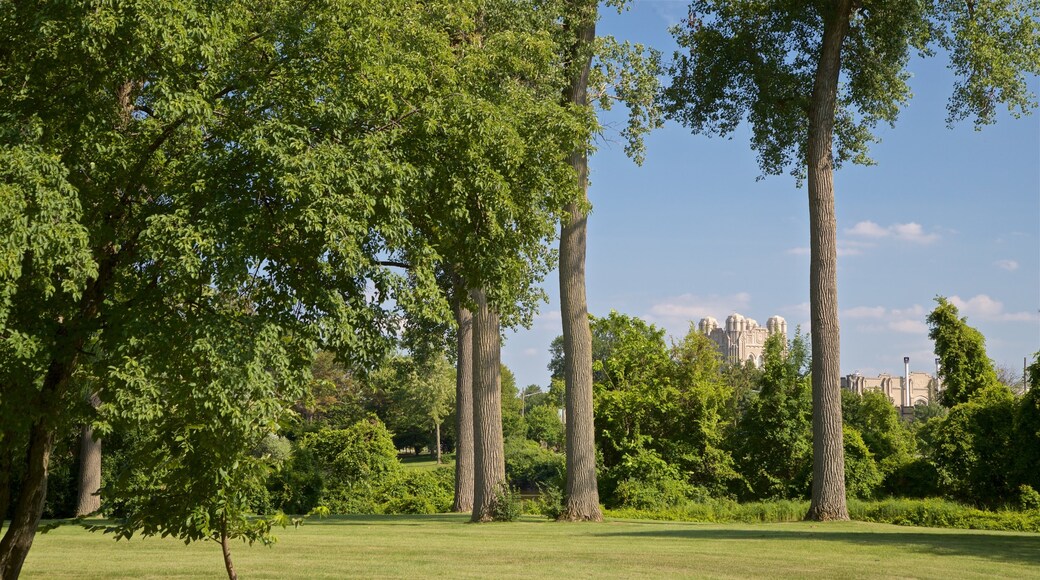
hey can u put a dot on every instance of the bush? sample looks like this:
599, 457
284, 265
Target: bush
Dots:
940, 513
721, 511
418, 491
529, 466
862, 477
549, 503
507, 506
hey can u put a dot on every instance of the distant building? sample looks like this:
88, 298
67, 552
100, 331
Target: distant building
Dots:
922, 387
742, 339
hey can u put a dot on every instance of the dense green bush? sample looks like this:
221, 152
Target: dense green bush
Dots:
972, 448
940, 513
530, 466
862, 477
721, 511
417, 491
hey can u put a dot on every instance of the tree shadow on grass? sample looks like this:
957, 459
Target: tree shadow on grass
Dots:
1020, 548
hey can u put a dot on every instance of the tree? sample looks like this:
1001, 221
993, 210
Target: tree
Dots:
633, 74
463, 410
175, 169
772, 443
964, 367
1026, 434
488, 452
813, 80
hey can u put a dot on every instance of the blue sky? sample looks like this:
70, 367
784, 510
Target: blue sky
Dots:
691, 233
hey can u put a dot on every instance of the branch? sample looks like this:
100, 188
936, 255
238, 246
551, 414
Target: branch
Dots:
394, 264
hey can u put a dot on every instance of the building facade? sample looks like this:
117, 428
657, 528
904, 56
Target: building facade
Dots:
742, 339
922, 387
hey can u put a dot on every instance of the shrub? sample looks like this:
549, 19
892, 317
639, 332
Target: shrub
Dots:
507, 506
530, 466
418, 491
549, 503
940, 513
862, 477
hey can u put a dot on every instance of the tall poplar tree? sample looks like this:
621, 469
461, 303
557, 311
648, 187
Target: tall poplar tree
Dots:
813, 79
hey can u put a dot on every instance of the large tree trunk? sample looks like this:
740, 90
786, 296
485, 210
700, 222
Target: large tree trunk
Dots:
488, 453
464, 411
6, 471
89, 481
828, 489
19, 537
581, 502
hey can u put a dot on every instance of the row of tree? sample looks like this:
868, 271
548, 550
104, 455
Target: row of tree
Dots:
198, 195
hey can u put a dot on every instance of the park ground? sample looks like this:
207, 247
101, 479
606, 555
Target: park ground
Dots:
446, 546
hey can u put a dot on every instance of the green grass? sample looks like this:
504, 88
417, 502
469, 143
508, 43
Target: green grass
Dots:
445, 546
427, 461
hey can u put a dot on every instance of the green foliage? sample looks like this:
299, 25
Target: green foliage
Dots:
670, 401
418, 491
773, 438
972, 448
644, 480
544, 426
1026, 436
964, 367
507, 505
549, 503
721, 511
529, 466
887, 438
939, 513
748, 61
354, 464
862, 477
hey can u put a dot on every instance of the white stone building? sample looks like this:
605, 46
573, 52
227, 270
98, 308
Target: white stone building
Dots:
742, 339
922, 387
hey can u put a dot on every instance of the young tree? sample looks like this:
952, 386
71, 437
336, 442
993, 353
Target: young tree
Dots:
813, 79
964, 366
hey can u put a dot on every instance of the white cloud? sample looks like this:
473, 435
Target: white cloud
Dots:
1009, 265
868, 229
864, 312
530, 352
551, 318
800, 251
912, 232
983, 307
691, 306
908, 326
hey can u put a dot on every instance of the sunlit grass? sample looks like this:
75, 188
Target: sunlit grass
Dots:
445, 546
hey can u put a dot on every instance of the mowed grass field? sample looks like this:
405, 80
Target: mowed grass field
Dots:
446, 546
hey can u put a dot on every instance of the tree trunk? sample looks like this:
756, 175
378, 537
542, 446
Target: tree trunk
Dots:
581, 502
464, 411
225, 548
438, 443
488, 453
89, 472
828, 488
19, 537
6, 469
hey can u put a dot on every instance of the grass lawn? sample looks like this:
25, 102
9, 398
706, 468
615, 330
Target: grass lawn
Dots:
445, 546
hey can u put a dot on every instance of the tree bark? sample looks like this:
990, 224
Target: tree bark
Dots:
581, 500
19, 537
828, 488
488, 453
89, 472
225, 548
464, 411
6, 470
438, 443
